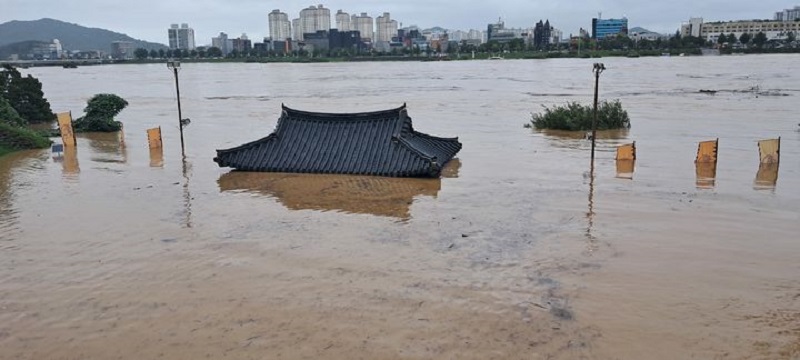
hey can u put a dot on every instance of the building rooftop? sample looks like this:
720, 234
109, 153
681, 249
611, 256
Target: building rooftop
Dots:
381, 143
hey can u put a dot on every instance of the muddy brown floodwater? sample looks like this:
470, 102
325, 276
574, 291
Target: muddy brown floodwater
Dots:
517, 252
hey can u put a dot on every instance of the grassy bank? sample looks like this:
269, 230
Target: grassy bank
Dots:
14, 138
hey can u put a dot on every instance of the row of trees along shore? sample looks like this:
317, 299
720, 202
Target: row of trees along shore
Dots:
620, 45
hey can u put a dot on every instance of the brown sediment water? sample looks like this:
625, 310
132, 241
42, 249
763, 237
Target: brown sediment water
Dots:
115, 251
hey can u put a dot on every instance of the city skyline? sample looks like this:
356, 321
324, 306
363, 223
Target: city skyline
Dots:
148, 19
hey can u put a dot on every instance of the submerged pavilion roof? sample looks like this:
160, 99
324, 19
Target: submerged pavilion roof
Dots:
381, 143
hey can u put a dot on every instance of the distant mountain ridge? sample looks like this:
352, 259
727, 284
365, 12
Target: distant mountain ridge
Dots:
71, 36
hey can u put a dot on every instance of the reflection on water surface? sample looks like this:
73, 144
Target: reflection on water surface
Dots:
378, 196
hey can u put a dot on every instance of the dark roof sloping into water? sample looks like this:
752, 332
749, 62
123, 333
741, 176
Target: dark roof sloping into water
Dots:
381, 143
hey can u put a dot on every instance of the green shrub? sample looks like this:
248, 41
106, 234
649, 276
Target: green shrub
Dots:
574, 116
100, 112
20, 138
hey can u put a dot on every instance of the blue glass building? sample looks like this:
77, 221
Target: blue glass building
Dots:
602, 28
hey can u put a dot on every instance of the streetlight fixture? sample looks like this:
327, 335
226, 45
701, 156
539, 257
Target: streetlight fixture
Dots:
174, 65
597, 69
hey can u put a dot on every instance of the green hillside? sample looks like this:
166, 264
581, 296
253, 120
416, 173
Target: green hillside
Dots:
72, 36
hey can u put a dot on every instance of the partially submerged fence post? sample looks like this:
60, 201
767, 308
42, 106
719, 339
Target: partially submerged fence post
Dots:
626, 159
706, 164
65, 126
156, 149
154, 137
769, 152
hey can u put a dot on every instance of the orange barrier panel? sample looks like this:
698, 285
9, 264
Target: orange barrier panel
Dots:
770, 151
707, 152
627, 151
154, 137
766, 177
70, 161
156, 157
625, 169
706, 175
65, 125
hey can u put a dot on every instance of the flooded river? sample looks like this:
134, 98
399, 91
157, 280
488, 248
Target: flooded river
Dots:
517, 252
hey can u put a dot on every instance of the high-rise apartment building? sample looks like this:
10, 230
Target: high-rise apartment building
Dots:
297, 30
788, 14
343, 21
542, 34
315, 18
279, 26
364, 25
221, 42
692, 28
385, 28
181, 37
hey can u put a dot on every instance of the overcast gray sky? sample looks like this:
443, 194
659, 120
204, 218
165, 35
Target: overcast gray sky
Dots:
149, 19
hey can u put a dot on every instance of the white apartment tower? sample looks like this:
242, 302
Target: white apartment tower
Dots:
279, 26
363, 24
692, 28
315, 18
181, 37
385, 27
788, 14
221, 42
343, 21
297, 30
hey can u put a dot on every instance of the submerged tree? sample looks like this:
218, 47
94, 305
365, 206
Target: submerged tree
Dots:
25, 95
100, 112
575, 116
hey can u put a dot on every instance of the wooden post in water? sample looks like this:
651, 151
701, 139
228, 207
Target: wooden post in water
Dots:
598, 69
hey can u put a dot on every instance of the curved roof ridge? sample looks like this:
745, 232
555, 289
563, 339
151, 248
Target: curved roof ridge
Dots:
410, 147
350, 116
248, 145
417, 133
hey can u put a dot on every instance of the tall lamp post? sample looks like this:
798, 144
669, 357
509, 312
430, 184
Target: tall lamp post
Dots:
174, 66
598, 69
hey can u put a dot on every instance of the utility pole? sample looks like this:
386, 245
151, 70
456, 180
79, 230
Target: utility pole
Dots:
174, 66
598, 69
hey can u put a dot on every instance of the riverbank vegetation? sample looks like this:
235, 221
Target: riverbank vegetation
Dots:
100, 112
574, 116
21, 102
14, 138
